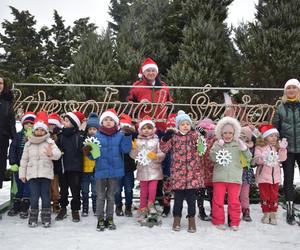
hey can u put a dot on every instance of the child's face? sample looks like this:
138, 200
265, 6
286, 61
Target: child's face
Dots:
39, 132
272, 139
292, 92
184, 127
27, 125
67, 123
92, 131
108, 122
147, 130
227, 133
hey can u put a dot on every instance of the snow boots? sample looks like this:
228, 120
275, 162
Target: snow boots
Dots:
25, 204
101, 224
128, 212
110, 223
33, 218
119, 210
191, 225
176, 223
62, 214
202, 215
75, 216
273, 219
46, 217
290, 216
266, 218
16, 207
246, 214
165, 211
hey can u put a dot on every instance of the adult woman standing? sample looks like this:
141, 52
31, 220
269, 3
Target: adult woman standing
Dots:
287, 121
7, 124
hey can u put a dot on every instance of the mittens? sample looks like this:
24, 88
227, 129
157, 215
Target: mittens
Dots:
242, 145
221, 142
283, 143
152, 155
168, 135
127, 130
14, 168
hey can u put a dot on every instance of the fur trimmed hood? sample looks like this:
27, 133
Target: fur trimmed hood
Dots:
228, 120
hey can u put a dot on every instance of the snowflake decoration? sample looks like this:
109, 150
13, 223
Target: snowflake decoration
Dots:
91, 140
271, 158
142, 157
201, 145
223, 157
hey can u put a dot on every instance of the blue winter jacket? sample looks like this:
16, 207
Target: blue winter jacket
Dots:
110, 164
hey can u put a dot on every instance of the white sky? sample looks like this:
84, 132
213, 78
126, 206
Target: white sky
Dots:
97, 10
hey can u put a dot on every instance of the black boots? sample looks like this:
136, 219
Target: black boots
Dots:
290, 216
62, 214
202, 215
128, 212
25, 204
16, 207
246, 214
119, 210
75, 216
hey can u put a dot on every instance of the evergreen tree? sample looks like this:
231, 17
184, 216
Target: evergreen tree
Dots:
118, 10
269, 47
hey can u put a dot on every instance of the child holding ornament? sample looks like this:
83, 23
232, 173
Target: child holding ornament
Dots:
149, 157
227, 175
186, 173
269, 152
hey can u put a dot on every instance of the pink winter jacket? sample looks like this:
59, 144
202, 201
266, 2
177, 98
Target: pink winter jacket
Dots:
152, 171
186, 171
265, 173
34, 162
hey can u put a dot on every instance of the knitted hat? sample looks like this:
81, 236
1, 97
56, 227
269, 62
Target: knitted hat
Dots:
54, 119
207, 124
146, 120
182, 116
171, 123
147, 64
267, 129
28, 117
75, 118
41, 121
222, 124
93, 121
292, 82
125, 121
110, 113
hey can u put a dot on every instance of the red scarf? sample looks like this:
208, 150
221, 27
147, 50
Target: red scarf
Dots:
108, 131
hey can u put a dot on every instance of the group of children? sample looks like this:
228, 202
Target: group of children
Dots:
49, 157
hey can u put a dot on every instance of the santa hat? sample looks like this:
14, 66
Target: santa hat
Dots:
28, 117
110, 113
292, 82
125, 121
206, 124
54, 119
171, 123
267, 129
146, 120
147, 64
41, 121
75, 118
182, 116
93, 121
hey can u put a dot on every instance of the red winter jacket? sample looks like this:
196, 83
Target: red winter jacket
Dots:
153, 95
186, 171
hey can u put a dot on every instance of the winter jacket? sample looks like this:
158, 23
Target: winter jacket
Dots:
186, 171
110, 164
16, 148
232, 173
153, 170
287, 121
55, 134
34, 162
70, 143
207, 164
7, 116
153, 95
266, 173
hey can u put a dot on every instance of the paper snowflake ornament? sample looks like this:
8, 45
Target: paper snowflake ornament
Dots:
91, 140
142, 157
201, 145
271, 158
223, 157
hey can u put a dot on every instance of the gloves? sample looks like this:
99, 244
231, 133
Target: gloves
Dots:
127, 130
283, 143
134, 144
221, 142
168, 135
242, 145
87, 149
201, 131
152, 155
14, 168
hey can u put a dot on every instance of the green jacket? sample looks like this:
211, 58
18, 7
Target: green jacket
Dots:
233, 172
287, 122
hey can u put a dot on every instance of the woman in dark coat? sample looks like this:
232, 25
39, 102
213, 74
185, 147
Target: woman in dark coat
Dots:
7, 124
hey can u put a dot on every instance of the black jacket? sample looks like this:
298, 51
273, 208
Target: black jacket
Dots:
16, 148
7, 116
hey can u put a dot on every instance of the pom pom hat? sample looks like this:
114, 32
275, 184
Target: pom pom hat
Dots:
41, 121
110, 113
267, 129
182, 116
93, 121
28, 117
75, 118
54, 119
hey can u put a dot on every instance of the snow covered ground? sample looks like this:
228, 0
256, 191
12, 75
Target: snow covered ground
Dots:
15, 234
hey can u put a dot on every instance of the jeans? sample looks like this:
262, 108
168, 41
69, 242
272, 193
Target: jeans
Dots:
127, 182
39, 187
190, 196
88, 180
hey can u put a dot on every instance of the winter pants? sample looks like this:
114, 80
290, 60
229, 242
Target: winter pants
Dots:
244, 195
88, 180
200, 196
54, 189
23, 188
268, 197
106, 190
190, 196
4, 142
127, 181
39, 187
147, 193
70, 179
234, 206
288, 173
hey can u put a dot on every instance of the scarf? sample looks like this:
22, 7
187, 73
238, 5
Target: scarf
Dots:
108, 131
